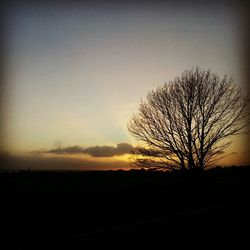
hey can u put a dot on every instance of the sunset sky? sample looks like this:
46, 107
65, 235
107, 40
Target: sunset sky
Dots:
76, 73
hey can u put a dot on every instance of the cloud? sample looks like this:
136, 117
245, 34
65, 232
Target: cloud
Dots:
108, 151
35, 162
67, 150
96, 151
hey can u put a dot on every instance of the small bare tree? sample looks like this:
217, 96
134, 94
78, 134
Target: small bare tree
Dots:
187, 123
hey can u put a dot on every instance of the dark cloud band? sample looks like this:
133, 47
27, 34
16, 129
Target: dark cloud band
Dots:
96, 151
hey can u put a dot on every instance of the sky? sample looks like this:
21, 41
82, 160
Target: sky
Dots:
75, 72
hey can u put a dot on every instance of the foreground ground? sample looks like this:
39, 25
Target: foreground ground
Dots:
83, 210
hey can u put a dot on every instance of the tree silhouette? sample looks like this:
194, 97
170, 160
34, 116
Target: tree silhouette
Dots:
187, 123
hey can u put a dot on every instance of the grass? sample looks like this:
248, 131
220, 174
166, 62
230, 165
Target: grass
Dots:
43, 206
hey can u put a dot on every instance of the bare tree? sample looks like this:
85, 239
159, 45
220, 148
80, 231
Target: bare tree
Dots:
187, 123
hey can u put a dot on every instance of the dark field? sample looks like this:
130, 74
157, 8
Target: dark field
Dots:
42, 210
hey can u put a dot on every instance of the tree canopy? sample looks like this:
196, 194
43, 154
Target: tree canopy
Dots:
187, 123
